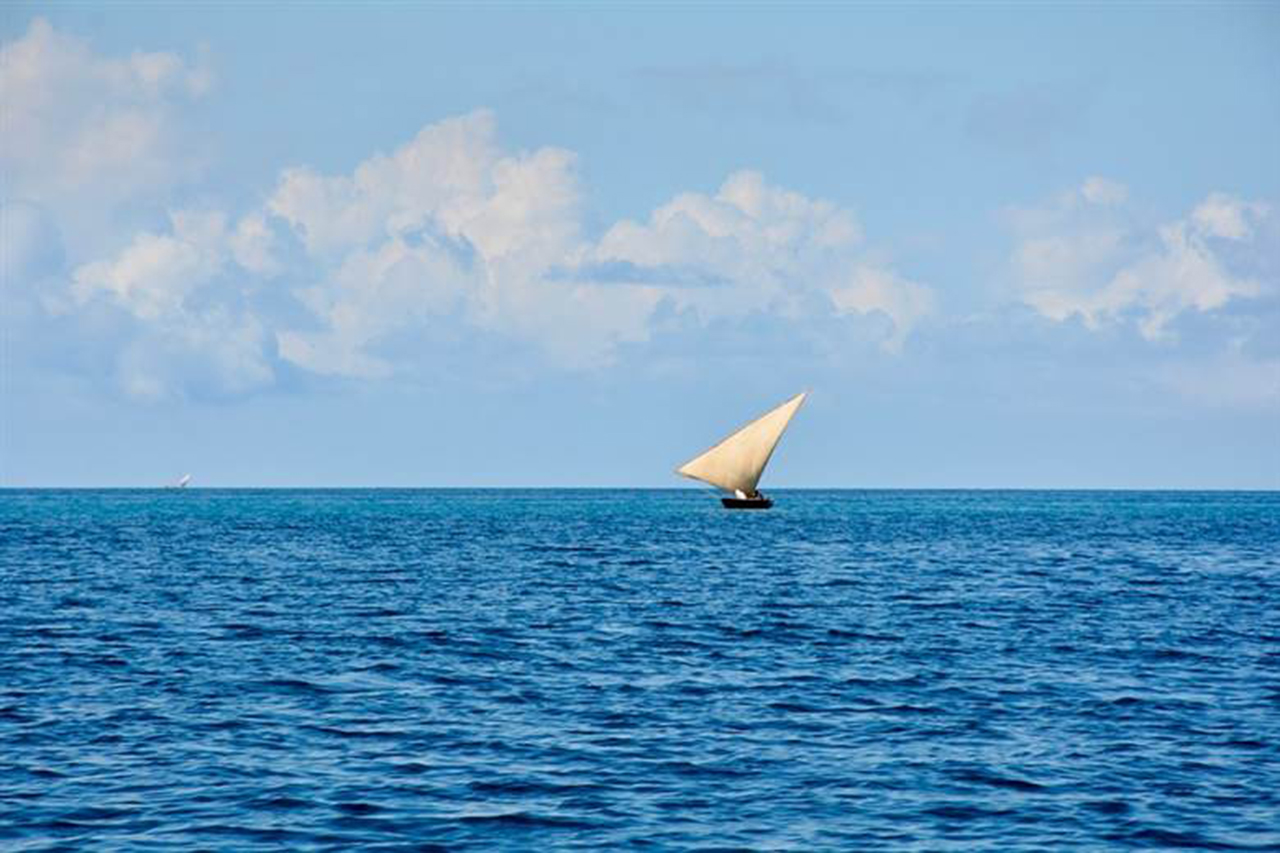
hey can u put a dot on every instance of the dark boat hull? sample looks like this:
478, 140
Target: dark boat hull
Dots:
760, 502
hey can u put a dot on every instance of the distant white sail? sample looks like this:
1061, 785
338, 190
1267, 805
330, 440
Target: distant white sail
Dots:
184, 481
736, 463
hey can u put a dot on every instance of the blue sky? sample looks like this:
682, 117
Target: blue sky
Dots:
1004, 246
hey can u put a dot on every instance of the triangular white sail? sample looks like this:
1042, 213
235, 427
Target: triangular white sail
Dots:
185, 481
735, 464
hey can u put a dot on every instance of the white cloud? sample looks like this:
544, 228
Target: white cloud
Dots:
747, 225
155, 274
371, 293
253, 245
90, 141
449, 224
1220, 215
216, 351
443, 175
776, 251
448, 234
84, 129
872, 290
1081, 257
445, 225
184, 289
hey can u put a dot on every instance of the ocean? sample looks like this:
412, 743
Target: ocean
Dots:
586, 669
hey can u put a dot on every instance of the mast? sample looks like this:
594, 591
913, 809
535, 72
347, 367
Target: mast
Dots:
736, 463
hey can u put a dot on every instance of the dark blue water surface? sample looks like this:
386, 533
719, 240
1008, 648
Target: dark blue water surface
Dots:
590, 669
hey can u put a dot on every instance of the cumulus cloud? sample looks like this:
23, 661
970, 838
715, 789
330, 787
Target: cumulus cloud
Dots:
447, 174
372, 292
216, 351
90, 141
781, 253
186, 291
449, 228
747, 228
253, 245
1084, 256
156, 273
83, 128
1220, 215
448, 233
872, 290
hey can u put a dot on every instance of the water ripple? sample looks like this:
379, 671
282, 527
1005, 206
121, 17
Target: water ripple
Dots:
443, 670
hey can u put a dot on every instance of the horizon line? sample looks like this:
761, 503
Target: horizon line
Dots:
518, 488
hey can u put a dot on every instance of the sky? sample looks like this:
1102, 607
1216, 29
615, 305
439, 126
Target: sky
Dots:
1003, 246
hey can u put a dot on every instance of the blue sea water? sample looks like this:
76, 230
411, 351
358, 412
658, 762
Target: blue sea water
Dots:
566, 669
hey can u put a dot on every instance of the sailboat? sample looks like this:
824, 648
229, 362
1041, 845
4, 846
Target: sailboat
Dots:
183, 482
736, 463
